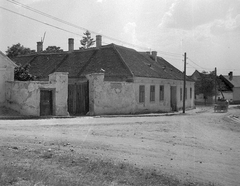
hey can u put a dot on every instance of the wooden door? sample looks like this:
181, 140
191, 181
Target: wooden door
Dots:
173, 98
46, 103
78, 99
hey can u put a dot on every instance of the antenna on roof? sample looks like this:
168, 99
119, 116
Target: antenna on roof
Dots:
42, 39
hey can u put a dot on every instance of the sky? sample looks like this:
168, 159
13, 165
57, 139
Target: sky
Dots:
208, 31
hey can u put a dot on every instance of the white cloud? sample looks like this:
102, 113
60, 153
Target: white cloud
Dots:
100, 1
188, 14
130, 32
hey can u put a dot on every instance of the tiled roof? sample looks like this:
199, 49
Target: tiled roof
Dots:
23, 60
108, 60
114, 60
41, 65
235, 80
76, 62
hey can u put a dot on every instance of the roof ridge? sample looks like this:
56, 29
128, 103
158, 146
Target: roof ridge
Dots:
123, 61
87, 63
64, 58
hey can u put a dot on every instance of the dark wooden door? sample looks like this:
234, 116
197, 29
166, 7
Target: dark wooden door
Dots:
78, 99
46, 103
174, 98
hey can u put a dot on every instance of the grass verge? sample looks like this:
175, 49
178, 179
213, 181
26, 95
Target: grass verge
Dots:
45, 167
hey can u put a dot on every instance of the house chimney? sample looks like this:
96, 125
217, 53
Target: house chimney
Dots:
39, 46
154, 55
148, 52
70, 44
98, 41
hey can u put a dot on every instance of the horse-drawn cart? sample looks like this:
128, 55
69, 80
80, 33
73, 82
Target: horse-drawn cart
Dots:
221, 105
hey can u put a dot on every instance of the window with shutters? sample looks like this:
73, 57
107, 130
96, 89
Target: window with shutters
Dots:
161, 93
152, 93
141, 94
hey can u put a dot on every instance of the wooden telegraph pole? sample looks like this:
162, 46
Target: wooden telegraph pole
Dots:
184, 81
215, 84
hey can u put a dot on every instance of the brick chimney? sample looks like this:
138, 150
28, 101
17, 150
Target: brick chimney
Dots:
39, 46
70, 44
154, 55
98, 41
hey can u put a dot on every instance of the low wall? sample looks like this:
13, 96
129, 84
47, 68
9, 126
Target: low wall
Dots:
110, 97
24, 96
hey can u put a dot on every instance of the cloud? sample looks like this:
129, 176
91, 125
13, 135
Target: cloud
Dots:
100, 1
229, 24
130, 32
188, 14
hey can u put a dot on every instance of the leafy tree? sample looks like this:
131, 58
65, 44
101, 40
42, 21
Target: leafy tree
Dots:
53, 49
206, 85
18, 49
87, 41
21, 73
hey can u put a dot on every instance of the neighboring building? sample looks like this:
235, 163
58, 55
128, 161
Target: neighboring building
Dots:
113, 79
199, 98
6, 74
231, 90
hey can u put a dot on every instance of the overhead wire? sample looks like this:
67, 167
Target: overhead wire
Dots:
40, 21
173, 56
82, 28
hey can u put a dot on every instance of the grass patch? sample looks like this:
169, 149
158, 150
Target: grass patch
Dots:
43, 167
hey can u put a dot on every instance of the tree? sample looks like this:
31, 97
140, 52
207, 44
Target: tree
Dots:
206, 85
21, 73
87, 41
53, 49
18, 49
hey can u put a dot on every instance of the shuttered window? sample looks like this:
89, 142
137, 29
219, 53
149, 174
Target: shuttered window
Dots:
161, 93
141, 94
152, 93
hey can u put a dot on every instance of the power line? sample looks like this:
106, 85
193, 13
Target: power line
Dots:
40, 21
198, 65
82, 28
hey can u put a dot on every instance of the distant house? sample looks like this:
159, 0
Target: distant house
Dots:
199, 98
231, 90
113, 79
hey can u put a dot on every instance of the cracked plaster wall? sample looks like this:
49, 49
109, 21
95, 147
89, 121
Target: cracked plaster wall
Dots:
110, 97
123, 98
24, 96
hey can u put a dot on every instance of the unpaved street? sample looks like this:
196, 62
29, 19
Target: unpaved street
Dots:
201, 147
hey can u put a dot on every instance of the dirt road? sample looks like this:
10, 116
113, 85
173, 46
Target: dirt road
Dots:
197, 146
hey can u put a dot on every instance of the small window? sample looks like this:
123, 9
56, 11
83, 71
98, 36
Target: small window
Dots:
152, 93
161, 93
185, 93
141, 94
190, 93
181, 94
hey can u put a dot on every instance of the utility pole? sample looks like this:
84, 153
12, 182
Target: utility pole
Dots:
184, 81
215, 84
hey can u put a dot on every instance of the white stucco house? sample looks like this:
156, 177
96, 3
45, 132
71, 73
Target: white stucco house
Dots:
232, 90
112, 79
6, 74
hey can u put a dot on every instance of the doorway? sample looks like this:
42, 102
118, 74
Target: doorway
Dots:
78, 98
173, 98
46, 102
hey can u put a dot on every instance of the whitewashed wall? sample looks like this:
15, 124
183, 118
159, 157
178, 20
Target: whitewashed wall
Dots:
24, 96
